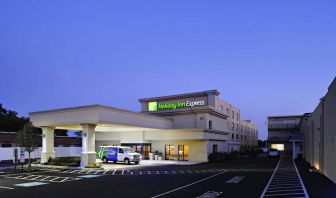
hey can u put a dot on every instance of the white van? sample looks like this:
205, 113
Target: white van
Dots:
118, 154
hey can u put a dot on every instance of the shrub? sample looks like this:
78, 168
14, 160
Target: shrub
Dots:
64, 161
219, 157
93, 165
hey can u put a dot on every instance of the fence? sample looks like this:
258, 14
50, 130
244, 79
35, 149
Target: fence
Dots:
7, 153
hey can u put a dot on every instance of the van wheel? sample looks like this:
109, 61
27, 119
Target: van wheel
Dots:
127, 161
105, 160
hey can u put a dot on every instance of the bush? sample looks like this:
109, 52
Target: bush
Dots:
64, 161
219, 157
93, 165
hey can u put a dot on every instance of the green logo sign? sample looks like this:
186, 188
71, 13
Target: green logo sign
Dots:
152, 106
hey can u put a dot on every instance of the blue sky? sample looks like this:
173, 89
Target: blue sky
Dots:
266, 57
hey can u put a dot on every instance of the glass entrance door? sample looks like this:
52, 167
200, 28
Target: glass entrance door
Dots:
183, 152
143, 149
169, 152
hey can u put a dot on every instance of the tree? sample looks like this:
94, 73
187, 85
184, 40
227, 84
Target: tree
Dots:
9, 121
29, 138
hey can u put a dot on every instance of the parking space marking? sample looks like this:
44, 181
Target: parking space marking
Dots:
285, 181
193, 183
5, 187
210, 194
31, 184
235, 179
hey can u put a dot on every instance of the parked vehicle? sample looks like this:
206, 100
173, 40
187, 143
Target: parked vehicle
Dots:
118, 154
263, 150
273, 153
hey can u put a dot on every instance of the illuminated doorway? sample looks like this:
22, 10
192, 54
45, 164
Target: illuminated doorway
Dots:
183, 152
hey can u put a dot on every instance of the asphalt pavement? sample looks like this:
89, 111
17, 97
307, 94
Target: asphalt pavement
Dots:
241, 177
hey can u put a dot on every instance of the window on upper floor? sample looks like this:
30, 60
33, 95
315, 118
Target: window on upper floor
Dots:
237, 136
241, 137
210, 124
232, 135
232, 125
237, 127
233, 115
227, 110
221, 108
237, 117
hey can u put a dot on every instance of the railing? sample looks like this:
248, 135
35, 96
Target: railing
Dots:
283, 126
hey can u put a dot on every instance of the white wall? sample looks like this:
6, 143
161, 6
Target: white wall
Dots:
7, 153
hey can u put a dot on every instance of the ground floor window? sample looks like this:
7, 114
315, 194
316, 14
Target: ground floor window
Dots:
169, 152
143, 149
279, 147
183, 152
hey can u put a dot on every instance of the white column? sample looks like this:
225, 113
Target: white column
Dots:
47, 144
88, 144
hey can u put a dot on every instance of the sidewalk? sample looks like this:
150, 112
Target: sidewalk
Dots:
316, 184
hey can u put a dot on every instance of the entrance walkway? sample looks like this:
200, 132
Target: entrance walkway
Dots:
285, 181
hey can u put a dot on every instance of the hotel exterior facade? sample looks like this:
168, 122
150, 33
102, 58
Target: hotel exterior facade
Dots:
185, 127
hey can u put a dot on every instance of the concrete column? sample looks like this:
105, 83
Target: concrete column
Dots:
47, 144
88, 144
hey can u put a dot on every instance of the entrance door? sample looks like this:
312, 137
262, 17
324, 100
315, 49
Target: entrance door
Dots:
183, 152
169, 152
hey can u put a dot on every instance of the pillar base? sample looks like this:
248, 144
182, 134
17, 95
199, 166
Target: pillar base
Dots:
88, 157
45, 156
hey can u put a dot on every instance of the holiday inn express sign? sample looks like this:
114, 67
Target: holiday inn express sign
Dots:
155, 106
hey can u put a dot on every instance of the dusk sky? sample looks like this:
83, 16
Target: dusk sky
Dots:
265, 57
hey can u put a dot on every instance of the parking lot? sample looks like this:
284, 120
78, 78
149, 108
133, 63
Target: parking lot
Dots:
234, 178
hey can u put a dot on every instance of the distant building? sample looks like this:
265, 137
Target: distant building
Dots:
284, 134
8, 139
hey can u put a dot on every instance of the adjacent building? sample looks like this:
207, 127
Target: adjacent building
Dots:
284, 134
185, 127
316, 130
319, 130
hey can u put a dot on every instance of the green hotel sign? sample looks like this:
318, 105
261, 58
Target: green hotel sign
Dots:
155, 106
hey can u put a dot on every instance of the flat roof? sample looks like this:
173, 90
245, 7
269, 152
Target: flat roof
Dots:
286, 116
185, 95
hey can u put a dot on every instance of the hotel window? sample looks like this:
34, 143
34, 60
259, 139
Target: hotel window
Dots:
210, 124
232, 136
237, 136
232, 126
241, 137
214, 148
233, 115
237, 117
227, 110
237, 127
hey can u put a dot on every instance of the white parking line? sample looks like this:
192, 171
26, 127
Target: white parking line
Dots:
302, 184
283, 194
105, 172
54, 179
185, 186
269, 181
6, 187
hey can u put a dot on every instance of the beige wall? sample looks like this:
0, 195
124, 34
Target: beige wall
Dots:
197, 148
330, 133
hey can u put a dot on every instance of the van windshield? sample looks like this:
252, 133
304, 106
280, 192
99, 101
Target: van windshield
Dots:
128, 150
